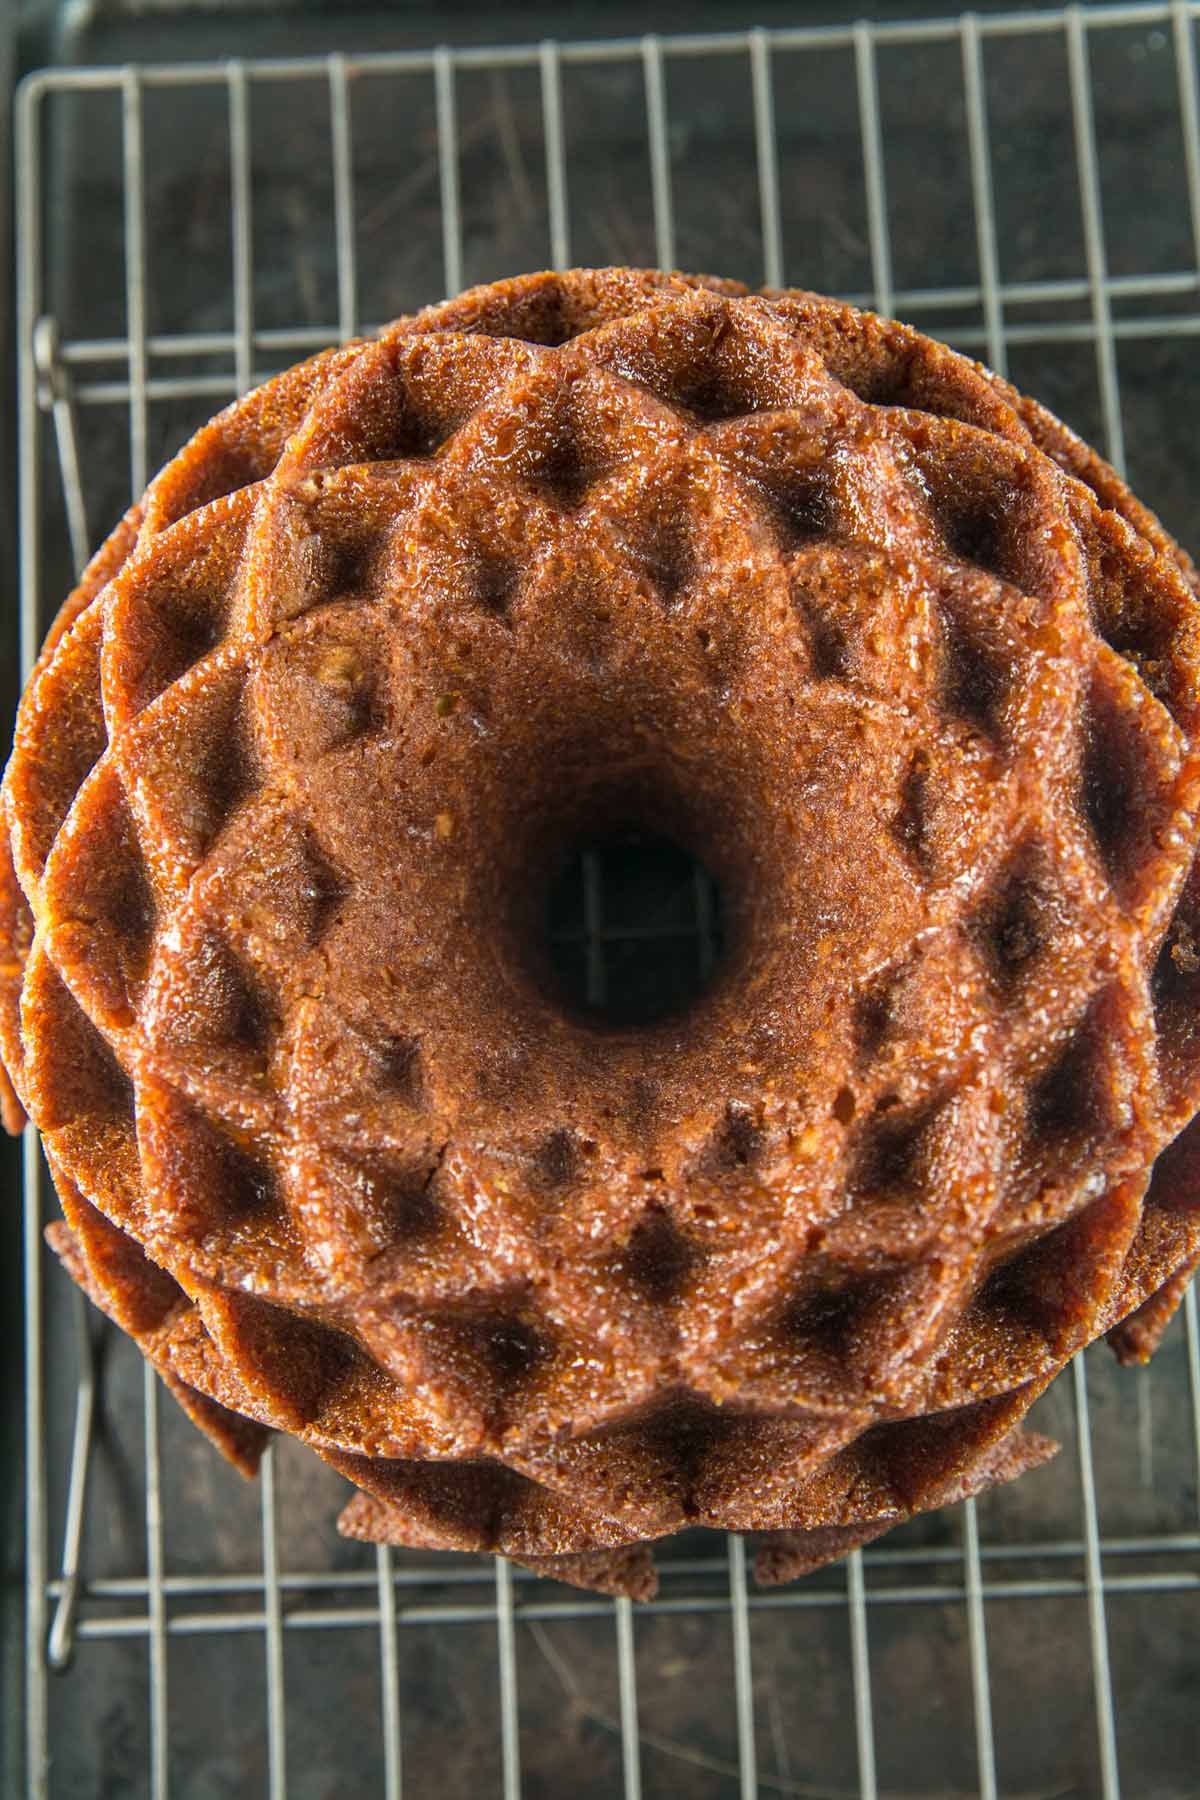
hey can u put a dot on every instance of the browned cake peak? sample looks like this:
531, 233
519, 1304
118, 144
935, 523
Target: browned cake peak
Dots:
830, 608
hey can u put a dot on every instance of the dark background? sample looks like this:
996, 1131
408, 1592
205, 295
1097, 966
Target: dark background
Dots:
1045, 1724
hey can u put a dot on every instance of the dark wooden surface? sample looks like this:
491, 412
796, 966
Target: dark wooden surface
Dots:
1042, 1693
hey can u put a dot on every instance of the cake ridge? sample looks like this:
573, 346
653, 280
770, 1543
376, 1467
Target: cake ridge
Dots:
621, 547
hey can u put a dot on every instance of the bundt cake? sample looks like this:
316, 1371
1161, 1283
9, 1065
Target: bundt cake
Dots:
865, 632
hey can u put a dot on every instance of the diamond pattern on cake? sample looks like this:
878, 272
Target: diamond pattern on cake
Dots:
872, 634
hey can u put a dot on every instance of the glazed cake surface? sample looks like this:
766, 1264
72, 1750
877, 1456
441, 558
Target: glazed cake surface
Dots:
835, 610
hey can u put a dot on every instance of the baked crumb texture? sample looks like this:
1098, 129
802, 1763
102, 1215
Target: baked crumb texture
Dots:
839, 611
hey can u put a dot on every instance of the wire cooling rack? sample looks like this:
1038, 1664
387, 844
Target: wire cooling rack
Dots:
192, 1636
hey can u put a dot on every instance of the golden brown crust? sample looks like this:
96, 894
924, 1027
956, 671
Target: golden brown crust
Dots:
1080, 460
841, 612
240, 1440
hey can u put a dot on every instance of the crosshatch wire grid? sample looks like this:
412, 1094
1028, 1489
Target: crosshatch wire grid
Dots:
1099, 1564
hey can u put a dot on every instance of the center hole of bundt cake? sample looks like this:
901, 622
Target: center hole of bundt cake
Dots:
634, 928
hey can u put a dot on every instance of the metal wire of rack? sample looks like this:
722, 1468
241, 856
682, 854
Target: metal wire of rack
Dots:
289, 1597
